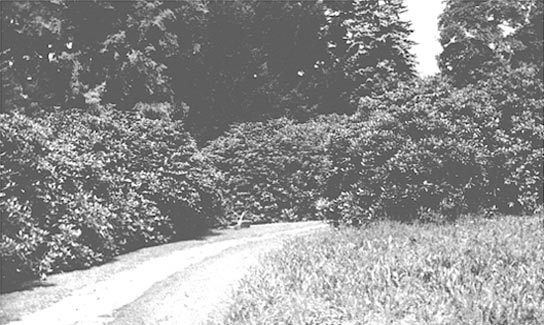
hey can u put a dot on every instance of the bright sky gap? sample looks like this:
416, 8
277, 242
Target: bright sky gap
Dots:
423, 14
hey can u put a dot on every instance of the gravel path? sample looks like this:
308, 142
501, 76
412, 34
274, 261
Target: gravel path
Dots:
180, 283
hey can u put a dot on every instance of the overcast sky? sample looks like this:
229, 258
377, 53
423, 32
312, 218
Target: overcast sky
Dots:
424, 17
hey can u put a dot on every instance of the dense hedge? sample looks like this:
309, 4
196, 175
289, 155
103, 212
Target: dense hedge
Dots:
434, 150
78, 189
274, 171
427, 150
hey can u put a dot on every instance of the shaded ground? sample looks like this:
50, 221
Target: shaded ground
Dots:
178, 283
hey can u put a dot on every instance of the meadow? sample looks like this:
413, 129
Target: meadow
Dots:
474, 271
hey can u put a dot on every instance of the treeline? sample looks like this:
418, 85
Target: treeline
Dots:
215, 62
311, 111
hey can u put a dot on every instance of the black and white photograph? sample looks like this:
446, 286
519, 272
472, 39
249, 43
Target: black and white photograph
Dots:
272, 162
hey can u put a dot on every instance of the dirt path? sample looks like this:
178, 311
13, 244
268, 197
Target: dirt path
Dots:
180, 283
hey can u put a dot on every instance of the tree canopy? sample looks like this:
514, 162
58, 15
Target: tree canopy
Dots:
224, 61
479, 36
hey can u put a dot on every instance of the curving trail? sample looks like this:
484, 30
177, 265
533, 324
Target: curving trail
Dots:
180, 283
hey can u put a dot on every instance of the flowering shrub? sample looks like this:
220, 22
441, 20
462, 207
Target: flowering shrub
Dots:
274, 171
78, 189
442, 151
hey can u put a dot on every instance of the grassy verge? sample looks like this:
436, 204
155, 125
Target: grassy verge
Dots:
472, 272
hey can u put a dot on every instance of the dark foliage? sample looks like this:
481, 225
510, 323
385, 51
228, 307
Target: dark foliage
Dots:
274, 171
480, 36
78, 189
435, 150
229, 61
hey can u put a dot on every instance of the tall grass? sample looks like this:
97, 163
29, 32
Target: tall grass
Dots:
472, 272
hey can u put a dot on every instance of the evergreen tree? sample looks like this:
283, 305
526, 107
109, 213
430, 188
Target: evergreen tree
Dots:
369, 48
